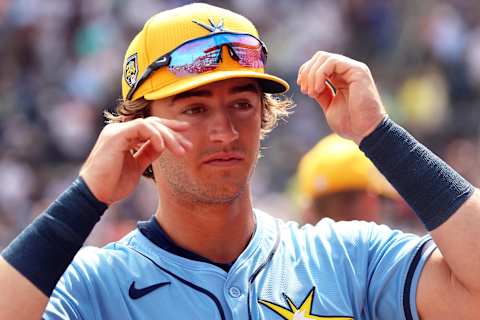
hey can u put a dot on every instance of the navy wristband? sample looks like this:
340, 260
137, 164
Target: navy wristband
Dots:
431, 187
43, 251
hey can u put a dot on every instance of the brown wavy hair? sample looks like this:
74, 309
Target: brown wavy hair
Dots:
274, 108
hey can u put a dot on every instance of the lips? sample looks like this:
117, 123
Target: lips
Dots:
224, 158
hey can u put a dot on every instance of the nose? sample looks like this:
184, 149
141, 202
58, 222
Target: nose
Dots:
221, 128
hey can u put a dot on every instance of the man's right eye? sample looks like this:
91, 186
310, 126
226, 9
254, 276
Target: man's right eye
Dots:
193, 110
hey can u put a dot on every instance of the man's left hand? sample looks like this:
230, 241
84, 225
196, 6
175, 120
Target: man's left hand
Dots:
355, 109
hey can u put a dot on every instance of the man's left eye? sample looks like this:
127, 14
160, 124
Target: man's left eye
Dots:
242, 105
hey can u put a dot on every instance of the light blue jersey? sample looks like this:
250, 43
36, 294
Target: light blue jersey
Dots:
343, 270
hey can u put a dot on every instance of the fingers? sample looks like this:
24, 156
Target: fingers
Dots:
145, 155
314, 76
172, 124
165, 130
143, 132
325, 72
174, 141
124, 150
325, 97
307, 73
160, 133
312, 80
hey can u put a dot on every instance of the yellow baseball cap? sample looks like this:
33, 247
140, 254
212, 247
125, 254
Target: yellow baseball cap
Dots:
168, 29
336, 164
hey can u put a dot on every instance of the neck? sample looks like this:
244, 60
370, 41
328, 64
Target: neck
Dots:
218, 232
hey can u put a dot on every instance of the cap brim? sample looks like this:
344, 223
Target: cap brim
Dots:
269, 83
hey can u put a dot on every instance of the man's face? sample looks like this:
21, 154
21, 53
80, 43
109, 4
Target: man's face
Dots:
225, 121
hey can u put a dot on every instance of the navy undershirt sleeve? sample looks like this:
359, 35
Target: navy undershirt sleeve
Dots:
430, 186
43, 251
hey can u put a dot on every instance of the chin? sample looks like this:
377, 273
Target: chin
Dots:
220, 194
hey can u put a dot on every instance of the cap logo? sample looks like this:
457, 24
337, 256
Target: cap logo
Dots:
131, 70
213, 27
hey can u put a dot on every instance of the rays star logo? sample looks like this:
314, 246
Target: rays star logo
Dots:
213, 27
302, 312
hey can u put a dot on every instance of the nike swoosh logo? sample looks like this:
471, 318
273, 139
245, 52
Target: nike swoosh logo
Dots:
135, 293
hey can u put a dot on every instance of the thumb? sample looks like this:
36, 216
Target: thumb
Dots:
326, 97
146, 155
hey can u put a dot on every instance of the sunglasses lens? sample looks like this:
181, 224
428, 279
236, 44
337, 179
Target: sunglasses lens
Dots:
248, 50
195, 57
203, 55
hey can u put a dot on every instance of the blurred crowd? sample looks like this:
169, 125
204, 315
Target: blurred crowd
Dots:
61, 65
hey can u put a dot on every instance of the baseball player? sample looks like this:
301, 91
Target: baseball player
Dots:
337, 181
196, 106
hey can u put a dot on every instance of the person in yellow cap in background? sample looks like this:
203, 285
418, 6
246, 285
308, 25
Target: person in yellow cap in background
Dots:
196, 104
336, 180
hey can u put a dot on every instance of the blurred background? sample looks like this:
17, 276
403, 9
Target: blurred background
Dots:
61, 65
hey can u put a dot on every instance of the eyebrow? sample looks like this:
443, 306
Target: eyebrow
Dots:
250, 87
191, 94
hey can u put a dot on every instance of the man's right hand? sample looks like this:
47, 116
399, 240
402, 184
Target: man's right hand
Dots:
124, 150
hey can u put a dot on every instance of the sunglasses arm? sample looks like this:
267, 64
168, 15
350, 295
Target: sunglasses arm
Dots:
157, 64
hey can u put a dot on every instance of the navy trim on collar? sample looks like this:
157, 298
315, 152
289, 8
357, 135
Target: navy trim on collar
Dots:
153, 231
